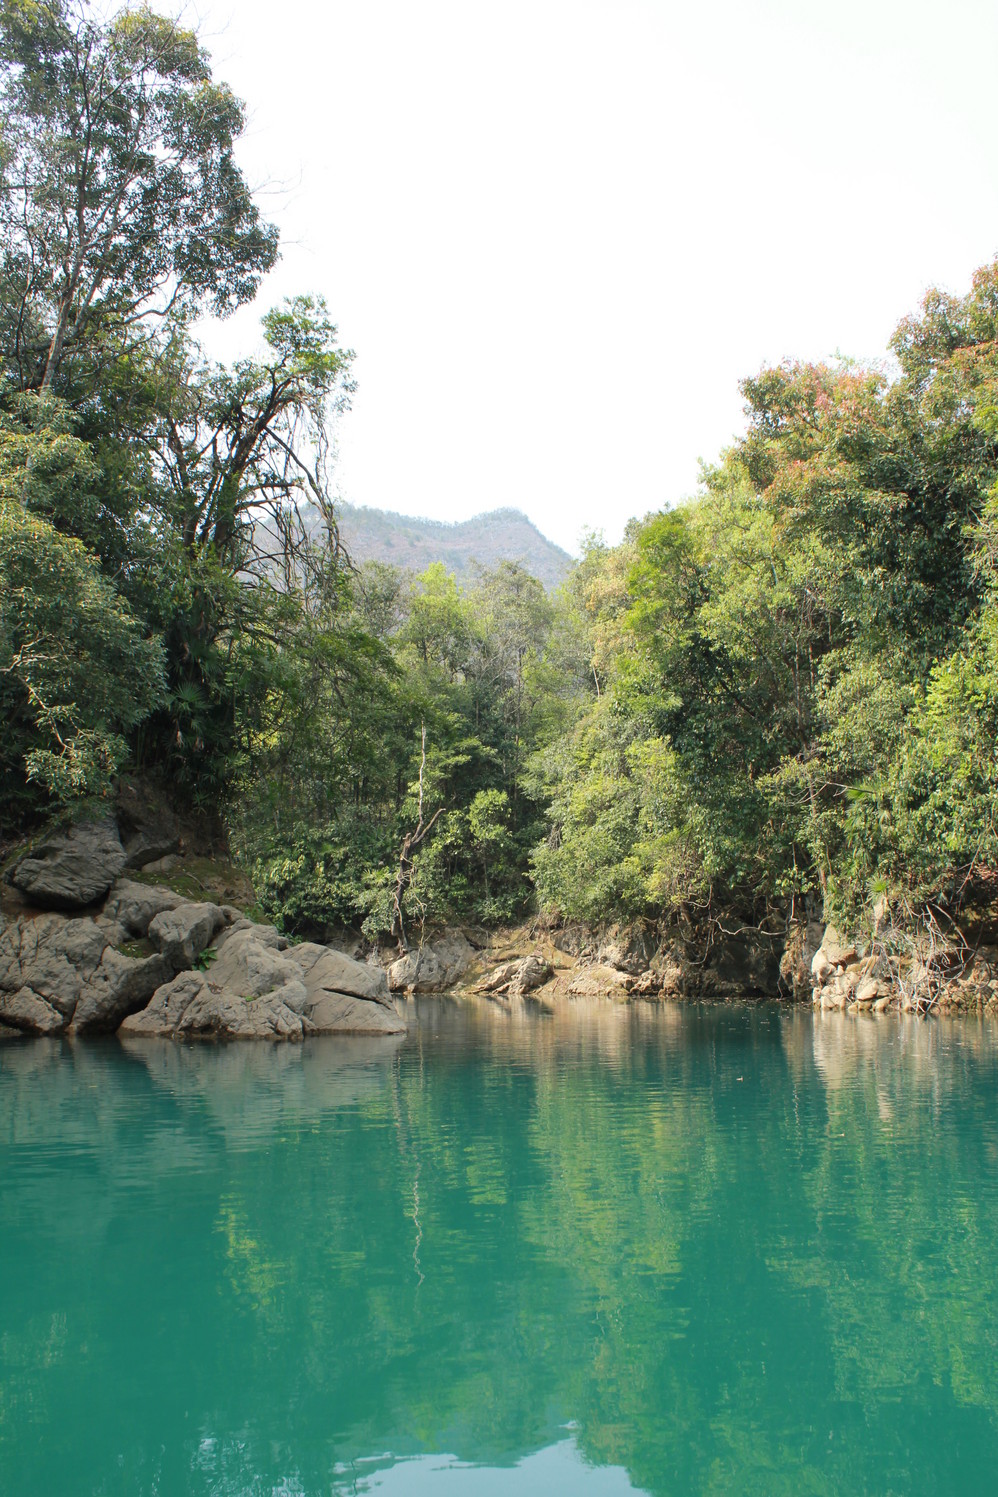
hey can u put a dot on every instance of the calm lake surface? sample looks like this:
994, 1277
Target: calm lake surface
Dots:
617, 1249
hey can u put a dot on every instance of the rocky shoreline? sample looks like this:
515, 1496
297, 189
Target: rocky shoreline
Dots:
96, 945
94, 951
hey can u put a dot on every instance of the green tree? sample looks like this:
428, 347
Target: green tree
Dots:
121, 201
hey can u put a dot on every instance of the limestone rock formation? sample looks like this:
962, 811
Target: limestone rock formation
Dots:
253, 990
182, 933
58, 973
514, 979
432, 968
72, 867
130, 968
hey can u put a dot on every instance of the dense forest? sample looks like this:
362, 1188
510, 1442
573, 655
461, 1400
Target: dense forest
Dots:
778, 696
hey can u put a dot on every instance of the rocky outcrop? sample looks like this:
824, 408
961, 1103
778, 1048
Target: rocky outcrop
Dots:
843, 978
45, 965
433, 968
254, 989
600, 980
131, 907
514, 979
71, 868
628, 949
183, 932
58, 973
637, 962
132, 969
193, 1006
329, 971
120, 985
914, 975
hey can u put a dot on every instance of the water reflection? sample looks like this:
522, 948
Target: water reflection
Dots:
735, 1249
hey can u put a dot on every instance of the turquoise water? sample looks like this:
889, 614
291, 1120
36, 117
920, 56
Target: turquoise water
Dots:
620, 1249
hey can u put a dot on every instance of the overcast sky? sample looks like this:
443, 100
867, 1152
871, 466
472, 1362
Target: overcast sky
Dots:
558, 233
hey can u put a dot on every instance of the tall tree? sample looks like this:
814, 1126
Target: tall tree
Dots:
120, 199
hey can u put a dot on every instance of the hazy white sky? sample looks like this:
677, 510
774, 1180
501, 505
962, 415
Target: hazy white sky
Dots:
557, 233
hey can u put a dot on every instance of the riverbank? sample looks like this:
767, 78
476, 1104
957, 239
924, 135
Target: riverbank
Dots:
90, 942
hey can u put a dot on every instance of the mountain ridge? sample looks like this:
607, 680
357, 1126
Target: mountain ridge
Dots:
504, 534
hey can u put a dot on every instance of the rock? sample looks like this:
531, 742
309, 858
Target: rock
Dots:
867, 990
267, 935
253, 990
53, 957
120, 986
328, 971
73, 867
648, 984
169, 1003
193, 1006
597, 982
24, 1010
147, 825
182, 933
513, 979
132, 906
630, 950
882, 1004
434, 967
59, 973
249, 968
345, 996
821, 967
332, 1013
224, 1015
574, 940
839, 951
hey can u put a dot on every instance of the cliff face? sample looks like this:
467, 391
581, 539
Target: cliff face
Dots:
499, 535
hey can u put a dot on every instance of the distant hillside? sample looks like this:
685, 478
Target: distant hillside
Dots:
500, 535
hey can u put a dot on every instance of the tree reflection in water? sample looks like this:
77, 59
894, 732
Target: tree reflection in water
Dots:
732, 1248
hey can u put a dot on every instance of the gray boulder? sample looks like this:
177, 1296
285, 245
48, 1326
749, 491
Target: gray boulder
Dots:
147, 825
131, 907
249, 968
266, 935
164, 1012
120, 986
51, 958
432, 968
224, 1015
58, 973
342, 1013
71, 868
329, 971
252, 990
24, 1010
195, 1007
182, 933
